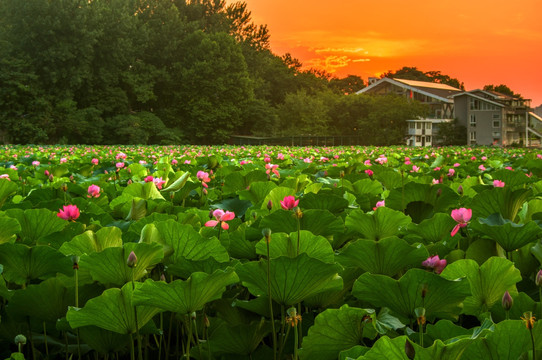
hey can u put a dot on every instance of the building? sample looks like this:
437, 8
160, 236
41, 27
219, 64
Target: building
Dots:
438, 97
491, 118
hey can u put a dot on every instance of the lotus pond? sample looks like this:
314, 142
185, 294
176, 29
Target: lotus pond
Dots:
270, 253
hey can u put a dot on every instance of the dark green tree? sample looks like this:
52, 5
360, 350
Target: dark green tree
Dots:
347, 85
502, 89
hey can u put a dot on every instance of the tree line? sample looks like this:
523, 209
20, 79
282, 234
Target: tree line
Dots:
175, 71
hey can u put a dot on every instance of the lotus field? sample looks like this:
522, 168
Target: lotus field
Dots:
264, 252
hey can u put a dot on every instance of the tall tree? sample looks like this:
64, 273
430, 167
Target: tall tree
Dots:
503, 89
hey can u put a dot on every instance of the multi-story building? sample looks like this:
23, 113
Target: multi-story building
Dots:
491, 118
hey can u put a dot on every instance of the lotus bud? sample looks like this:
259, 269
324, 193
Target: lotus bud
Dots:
129, 182
507, 301
538, 279
420, 315
64, 187
193, 315
460, 190
409, 350
211, 214
341, 173
51, 178
132, 260
75, 261
439, 192
20, 339
298, 214
206, 321
269, 205
46, 173
163, 277
267, 234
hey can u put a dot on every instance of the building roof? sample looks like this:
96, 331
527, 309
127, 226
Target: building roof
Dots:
440, 92
469, 93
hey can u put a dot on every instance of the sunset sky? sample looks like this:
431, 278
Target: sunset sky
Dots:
479, 42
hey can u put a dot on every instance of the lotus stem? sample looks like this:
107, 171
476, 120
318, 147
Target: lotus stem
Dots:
273, 331
139, 349
283, 324
132, 350
197, 336
45, 339
540, 299
189, 339
532, 342
296, 340
161, 335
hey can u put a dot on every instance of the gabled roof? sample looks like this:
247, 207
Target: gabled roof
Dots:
469, 93
437, 91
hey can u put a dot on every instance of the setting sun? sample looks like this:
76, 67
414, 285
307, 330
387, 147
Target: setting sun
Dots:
479, 43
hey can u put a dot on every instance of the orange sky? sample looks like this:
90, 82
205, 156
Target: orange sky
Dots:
478, 42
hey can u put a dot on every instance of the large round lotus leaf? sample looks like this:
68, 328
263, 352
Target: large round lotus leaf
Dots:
334, 298
367, 187
481, 249
319, 222
46, 301
243, 241
499, 200
23, 263
257, 192
325, 201
238, 339
443, 297
387, 256
187, 243
113, 310
383, 223
36, 223
9, 227
103, 341
522, 304
109, 266
394, 349
90, 242
510, 236
441, 197
144, 191
185, 296
177, 184
434, 229
487, 282
335, 330
282, 244
512, 179
292, 279
7, 188
444, 330
509, 341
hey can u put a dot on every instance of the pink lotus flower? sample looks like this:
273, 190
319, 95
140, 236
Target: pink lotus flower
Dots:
272, 168
94, 161
380, 204
435, 263
119, 165
280, 156
482, 167
369, 172
415, 168
5, 176
174, 162
120, 155
462, 216
63, 160
158, 182
148, 178
35, 163
221, 218
451, 172
367, 163
289, 202
68, 212
204, 178
498, 183
93, 191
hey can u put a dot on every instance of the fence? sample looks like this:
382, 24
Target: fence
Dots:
305, 140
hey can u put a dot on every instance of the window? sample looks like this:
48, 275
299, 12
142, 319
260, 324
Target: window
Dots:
473, 136
418, 125
474, 104
496, 123
428, 126
418, 138
496, 116
428, 139
411, 125
472, 120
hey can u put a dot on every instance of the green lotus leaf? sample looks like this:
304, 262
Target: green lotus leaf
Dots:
487, 282
178, 184
441, 197
325, 201
499, 200
443, 298
353, 353
282, 244
387, 256
444, 330
510, 236
509, 341
434, 229
319, 222
239, 207
23, 263
187, 243
334, 297
113, 311
4, 291
103, 341
109, 266
394, 349
9, 227
239, 339
276, 195
243, 241
532, 211
512, 179
522, 304
292, 279
335, 330
185, 267
367, 187
90, 242
389, 178
185, 296
257, 191
7, 188
138, 210
46, 301
419, 211
150, 234
36, 223
144, 191
383, 223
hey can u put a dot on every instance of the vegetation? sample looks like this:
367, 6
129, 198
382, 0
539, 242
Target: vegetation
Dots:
221, 253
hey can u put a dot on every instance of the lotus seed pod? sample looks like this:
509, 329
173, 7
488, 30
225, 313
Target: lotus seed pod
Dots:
20, 339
